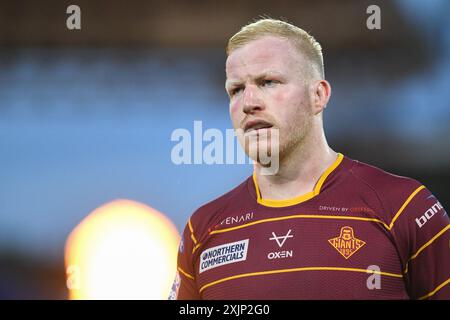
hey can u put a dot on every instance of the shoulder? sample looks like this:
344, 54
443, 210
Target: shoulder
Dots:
392, 191
208, 215
381, 180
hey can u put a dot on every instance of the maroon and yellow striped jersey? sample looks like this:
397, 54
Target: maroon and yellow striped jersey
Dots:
362, 233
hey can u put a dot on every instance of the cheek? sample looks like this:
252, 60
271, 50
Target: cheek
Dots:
281, 95
291, 109
234, 111
290, 95
293, 102
234, 106
284, 105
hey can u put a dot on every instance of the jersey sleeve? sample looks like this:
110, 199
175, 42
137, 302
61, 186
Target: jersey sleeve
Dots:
184, 286
422, 229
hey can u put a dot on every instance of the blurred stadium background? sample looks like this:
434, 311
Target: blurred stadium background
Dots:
86, 116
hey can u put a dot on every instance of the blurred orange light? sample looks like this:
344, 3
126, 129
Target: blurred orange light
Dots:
122, 250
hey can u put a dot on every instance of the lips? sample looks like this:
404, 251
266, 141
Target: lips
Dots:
256, 125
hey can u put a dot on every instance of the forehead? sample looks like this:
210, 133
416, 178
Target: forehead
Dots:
266, 53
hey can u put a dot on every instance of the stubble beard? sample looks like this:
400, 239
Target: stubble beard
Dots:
294, 139
259, 146
291, 140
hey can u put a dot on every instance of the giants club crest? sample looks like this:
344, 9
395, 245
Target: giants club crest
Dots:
346, 244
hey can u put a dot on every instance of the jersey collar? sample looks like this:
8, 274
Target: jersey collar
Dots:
279, 203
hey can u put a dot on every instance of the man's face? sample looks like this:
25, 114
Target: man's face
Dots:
267, 91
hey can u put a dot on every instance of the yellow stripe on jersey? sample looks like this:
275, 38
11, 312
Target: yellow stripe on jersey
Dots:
399, 212
260, 273
300, 216
432, 293
185, 273
425, 246
290, 202
196, 247
192, 232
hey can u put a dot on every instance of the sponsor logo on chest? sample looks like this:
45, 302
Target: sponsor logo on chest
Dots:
237, 219
280, 240
224, 254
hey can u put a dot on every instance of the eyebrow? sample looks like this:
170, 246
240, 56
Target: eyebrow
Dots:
264, 74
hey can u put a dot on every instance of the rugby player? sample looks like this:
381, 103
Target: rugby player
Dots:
324, 226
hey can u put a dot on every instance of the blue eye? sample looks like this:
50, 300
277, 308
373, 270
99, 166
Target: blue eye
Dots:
235, 91
268, 82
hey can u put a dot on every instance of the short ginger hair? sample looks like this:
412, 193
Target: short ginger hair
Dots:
302, 40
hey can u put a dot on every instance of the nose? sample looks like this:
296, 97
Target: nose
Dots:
251, 100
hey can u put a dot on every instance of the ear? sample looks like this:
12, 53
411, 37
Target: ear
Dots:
321, 92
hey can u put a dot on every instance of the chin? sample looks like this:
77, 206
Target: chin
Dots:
260, 151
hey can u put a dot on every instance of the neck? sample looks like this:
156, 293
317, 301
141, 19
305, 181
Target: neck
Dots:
298, 171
